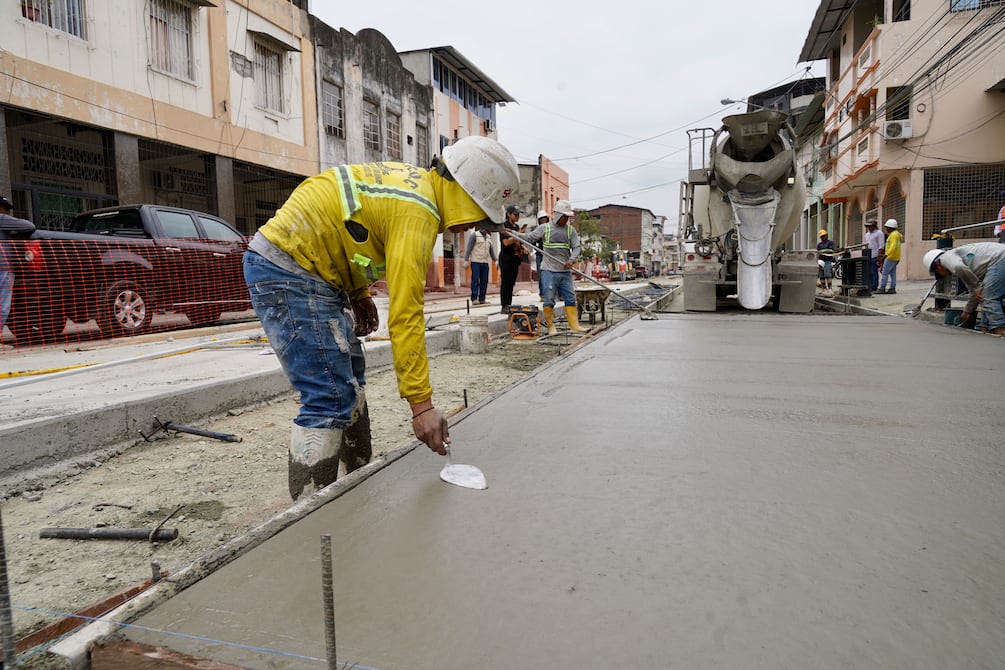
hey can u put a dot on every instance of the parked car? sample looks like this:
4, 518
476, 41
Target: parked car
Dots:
118, 265
641, 271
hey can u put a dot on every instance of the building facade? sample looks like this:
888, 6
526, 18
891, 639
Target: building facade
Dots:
914, 125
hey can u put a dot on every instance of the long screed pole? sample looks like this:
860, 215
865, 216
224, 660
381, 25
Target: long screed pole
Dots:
582, 274
6, 620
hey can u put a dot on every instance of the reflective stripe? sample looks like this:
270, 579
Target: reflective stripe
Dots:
348, 192
548, 244
394, 193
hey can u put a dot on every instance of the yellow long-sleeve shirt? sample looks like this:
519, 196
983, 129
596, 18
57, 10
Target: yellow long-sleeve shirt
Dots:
355, 224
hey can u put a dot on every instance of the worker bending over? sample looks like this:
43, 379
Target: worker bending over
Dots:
981, 266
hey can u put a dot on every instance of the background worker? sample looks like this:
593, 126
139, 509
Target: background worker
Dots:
1000, 227
542, 218
981, 266
308, 270
510, 257
891, 257
825, 252
876, 241
10, 227
560, 242
479, 252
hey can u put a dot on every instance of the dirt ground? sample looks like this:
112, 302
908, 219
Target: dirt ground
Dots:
215, 490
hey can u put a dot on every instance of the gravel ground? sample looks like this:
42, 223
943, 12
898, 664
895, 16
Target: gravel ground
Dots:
212, 490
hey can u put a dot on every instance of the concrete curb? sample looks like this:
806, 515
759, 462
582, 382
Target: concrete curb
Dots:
54, 443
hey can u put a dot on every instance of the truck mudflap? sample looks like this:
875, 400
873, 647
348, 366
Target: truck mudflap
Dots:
754, 217
797, 281
699, 283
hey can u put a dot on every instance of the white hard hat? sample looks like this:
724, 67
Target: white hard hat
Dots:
890, 223
542, 215
486, 170
930, 258
564, 207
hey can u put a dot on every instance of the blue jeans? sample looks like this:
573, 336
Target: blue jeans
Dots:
6, 291
889, 273
310, 326
993, 292
558, 283
479, 281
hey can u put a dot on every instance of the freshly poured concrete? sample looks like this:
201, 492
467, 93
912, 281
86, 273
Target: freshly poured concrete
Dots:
715, 491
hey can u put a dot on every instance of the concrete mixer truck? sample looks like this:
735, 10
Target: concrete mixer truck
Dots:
740, 205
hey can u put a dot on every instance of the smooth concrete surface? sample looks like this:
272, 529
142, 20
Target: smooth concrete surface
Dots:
732, 490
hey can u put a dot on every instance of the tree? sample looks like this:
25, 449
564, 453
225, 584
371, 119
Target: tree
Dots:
592, 241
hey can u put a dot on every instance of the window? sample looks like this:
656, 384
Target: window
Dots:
332, 113
268, 78
177, 225
969, 5
421, 146
371, 125
394, 136
217, 230
898, 103
64, 15
171, 37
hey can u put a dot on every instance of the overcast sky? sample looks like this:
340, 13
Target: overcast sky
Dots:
609, 94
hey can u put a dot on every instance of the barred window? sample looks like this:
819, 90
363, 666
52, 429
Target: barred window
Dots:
421, 146
964, 5
332, 112
960, 196
268, 78
64, 15
371, 125
171, 37
394, 136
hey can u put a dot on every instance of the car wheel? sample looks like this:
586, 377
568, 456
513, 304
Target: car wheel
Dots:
42, 327
124, 309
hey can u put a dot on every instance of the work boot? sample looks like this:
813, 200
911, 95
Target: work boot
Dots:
573, 318
357, 445
549, 320
1000, 330
313, 459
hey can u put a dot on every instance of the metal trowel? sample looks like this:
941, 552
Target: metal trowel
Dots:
457, 474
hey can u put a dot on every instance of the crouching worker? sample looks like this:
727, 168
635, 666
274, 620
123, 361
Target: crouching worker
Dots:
308, 270
981, 266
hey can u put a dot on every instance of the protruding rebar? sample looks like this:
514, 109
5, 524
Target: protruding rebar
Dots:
6, 619
329, 598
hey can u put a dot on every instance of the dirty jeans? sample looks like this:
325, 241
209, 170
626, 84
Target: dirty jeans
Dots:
310, 331
6, 290
558, 284
889, 273
992, 293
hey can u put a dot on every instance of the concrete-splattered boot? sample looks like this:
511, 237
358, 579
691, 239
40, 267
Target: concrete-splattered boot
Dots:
572, 317
357, 446
549, 320
314, 459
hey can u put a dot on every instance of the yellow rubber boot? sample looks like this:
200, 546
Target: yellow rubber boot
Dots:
573, 319
549, 320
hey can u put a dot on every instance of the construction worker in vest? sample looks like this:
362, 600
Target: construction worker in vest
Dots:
308, 270
560, 243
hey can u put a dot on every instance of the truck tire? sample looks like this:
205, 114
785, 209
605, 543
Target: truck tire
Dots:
124, 309
42, 327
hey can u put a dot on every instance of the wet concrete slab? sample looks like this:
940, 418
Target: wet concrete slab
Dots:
701, 491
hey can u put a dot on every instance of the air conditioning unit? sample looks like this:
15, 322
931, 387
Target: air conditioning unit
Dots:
897, 130
489, 125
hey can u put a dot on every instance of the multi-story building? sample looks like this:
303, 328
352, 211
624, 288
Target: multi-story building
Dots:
631, 228
215, 105
914, 125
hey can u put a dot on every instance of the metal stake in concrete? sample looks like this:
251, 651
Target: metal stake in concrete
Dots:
6, 620
329, 598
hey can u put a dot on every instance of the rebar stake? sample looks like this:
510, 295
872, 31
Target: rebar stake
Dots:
6, 620
329, 598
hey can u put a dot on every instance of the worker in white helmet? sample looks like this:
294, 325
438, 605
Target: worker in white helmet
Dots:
560, 242
542, 218
309, 268
981, 266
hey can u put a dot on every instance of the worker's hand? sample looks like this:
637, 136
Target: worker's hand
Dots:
465, 264
430, 427
967, 319
568, 265
367, 320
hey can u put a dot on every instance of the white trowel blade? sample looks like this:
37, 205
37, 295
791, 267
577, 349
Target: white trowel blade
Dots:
467, 476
